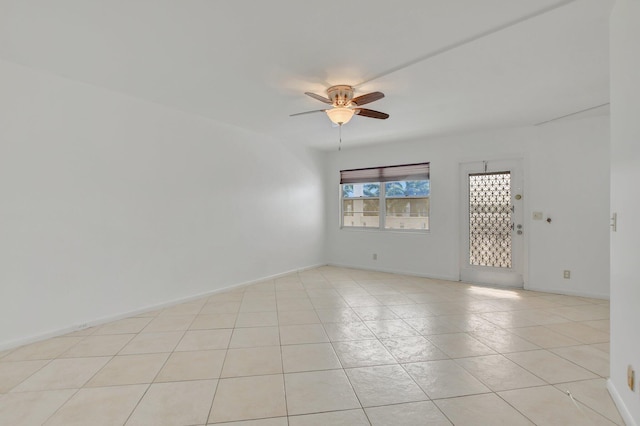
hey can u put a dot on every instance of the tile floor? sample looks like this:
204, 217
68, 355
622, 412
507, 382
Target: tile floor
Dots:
329, 346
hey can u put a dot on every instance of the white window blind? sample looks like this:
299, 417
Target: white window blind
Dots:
403, 172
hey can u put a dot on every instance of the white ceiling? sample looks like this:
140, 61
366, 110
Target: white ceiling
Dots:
445, 65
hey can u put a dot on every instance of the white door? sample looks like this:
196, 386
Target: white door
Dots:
492, 229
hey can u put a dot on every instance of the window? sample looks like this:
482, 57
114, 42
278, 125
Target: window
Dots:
393, 197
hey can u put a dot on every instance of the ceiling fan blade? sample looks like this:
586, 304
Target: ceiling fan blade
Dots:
318, 97
371, 113
307, 112
369, 97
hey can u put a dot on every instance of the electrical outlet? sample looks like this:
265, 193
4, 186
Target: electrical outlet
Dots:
375, 256
631, 378
567, 274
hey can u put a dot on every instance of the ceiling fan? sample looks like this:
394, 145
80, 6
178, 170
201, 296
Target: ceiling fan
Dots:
344, 106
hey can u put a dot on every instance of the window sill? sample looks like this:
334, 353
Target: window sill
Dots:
385, 231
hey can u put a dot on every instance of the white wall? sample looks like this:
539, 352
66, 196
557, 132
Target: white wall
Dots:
625, 176
109, 204
566, 177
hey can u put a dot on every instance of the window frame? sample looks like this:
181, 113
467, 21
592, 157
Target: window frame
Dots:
382, 198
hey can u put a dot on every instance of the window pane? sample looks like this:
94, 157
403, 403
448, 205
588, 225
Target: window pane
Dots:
362, 212
407, 188
403, 213
357, 190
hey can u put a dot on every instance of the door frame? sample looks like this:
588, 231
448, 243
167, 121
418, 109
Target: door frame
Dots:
516, 277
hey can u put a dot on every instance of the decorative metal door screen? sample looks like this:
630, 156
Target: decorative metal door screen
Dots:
490, 226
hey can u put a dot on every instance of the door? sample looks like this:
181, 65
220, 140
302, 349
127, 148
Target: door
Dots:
492, 230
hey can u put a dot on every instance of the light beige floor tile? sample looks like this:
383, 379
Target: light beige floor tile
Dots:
499, 373
177, 403
125, 326
63, 374
587, 357
99, 406
252, 361
602, 325
298, 317
460, 345
447, 308
375, 313
412, 311
361, 301
309, 357
290, 289
103, 345
13, 373
362, 353
544, 316
152, 343
548, 406
581, 332
246, 398
544, 337
549, 366
220, 307
204, 340
129, 370
510, 319
46, 349
274, 421
306, 333
342, 331
432, 325
319, 391
257, 319
322, 292
258, 305
169, 323
255, 337
196, 365
384, 385
594, 394
473, 411
604, 347
333, 418
337, 315
284, 305
212, 321
584, 312
413, 349
329, 303
394, 300
413, 413
444, 379
469, 323
31, 408
503, 341
390, 329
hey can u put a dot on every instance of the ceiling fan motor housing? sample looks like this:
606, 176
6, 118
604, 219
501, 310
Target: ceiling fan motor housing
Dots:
340, 95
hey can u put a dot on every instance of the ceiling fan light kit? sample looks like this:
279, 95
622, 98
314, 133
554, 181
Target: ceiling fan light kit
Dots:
340, 115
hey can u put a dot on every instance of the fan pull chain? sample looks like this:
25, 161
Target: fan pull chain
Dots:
340, 133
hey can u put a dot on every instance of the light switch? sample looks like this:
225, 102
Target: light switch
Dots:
537, 215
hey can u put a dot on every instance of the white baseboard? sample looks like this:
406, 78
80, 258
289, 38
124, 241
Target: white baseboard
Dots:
626, 415
109, 318
568, 292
